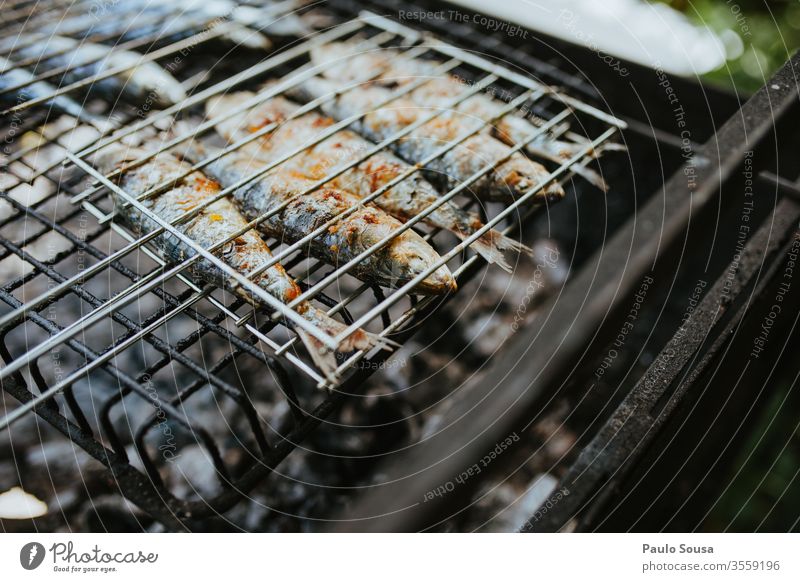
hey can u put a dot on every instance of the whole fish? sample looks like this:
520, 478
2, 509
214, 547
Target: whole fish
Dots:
11, 76
144, 83
507, 180
394, 264
168, 21
404, 200
217, 222
345, 62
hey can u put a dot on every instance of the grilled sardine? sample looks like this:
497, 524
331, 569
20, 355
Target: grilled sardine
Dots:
12, 76
406, 199
215, 223
507, 180
345, 62
145, 83
397, 262
168, 21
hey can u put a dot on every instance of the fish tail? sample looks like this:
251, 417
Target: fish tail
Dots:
591, 176
554, 192
492, 245
560, 151
322, 357
358, 340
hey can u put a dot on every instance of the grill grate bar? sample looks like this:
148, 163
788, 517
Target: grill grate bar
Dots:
206, 34
218, 304
399, 293
210, 124
481, 63
90, 194
140, 287
223, 86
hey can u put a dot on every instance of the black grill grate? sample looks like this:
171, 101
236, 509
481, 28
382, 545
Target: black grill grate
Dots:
143, 364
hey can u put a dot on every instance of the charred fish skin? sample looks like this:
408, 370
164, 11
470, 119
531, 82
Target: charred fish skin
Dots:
12, 76
343, 60
404, 200
142, 82
213, 224
400, 260
507, 181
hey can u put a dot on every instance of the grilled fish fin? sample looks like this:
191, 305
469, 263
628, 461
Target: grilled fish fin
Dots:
587, 174
591, 176
323, 358
358, 340
491, 246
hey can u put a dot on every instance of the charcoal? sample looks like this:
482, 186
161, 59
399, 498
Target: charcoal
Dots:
113, 514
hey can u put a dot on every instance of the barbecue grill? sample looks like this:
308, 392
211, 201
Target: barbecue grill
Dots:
134, 362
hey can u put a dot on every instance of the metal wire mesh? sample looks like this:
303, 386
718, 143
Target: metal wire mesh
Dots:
133, 319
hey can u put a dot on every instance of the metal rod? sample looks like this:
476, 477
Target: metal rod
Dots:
442, 200
240, 279
254, 101
223, 86
473, 59
398, 294
405, 174
146, 58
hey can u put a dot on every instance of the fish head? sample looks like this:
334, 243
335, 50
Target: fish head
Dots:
348, 61
411, 255
157, 85
521, 175
113, 156
333, 58
219, 105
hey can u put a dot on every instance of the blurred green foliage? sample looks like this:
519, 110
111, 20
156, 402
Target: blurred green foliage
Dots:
762, 492
769, 32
